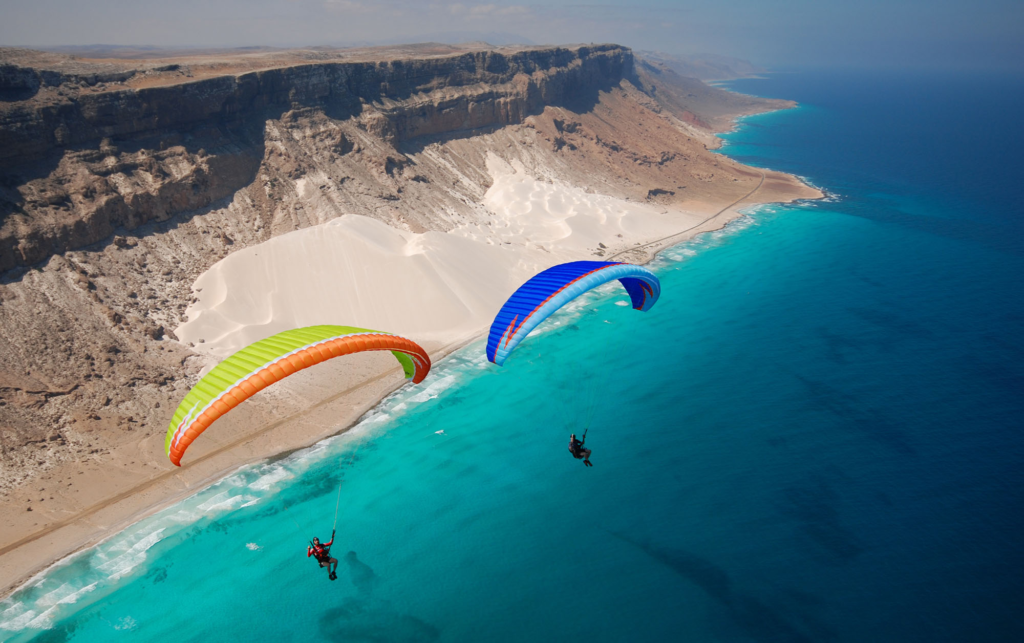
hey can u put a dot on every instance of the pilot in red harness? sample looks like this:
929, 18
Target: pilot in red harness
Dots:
322, 553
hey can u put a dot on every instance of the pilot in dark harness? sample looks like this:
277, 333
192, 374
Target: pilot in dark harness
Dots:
577, 450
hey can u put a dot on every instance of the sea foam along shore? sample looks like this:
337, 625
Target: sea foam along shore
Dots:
437, 288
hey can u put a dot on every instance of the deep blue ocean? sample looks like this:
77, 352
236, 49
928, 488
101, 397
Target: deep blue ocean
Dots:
817, 434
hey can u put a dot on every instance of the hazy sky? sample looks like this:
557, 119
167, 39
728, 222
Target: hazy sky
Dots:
780, 33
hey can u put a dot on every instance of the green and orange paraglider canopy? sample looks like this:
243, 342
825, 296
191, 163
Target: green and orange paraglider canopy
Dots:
270, 360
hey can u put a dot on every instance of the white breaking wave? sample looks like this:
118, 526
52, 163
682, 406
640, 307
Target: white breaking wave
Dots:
706, 240
129, 555
271, 478
434, 389
44, 620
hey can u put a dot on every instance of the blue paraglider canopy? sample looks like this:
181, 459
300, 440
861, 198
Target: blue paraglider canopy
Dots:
548, 291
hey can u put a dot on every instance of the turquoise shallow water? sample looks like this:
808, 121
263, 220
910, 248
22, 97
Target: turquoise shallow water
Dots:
814, 436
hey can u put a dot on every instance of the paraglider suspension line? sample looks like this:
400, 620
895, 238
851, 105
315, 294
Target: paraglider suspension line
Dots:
336, 505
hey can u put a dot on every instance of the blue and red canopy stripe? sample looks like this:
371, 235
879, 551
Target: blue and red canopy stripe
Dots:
551, 289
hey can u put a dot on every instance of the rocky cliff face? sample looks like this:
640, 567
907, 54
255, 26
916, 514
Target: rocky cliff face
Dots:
75, 165
122, 181
484, 88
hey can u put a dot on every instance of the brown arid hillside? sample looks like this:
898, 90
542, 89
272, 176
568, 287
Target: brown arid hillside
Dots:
121, 181
704, 66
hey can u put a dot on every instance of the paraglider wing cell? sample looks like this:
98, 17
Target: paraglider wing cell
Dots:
270, 360
553, 288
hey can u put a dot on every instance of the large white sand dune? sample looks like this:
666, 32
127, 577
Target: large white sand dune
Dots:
355, 271
564, 219
431, 287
